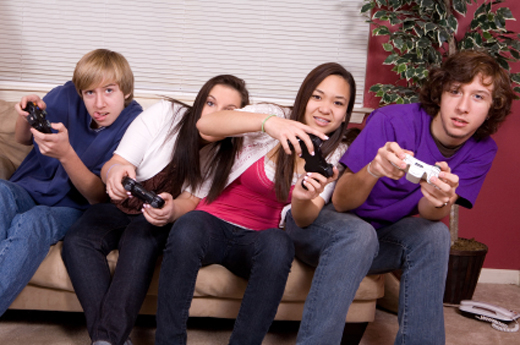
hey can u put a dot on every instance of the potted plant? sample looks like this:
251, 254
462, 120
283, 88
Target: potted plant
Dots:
421, 33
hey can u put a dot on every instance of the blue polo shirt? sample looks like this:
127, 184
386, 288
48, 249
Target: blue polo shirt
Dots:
44, 177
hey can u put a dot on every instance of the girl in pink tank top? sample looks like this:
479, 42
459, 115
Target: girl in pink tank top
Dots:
239, 228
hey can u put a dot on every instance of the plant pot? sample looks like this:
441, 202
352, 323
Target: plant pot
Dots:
464, 269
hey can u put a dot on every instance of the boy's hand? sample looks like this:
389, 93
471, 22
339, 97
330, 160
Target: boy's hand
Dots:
389, 161
26, 99
55, 145
442, 190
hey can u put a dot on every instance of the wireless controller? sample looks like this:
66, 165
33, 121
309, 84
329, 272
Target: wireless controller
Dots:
138, 190
315, 163
417, 170
37, 118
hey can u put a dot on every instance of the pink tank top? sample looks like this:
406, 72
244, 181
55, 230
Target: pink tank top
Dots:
249, 201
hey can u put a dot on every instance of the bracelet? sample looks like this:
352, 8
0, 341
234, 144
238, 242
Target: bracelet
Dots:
263, 122
106, 175
371, 173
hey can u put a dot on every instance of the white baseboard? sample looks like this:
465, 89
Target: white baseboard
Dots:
496, 276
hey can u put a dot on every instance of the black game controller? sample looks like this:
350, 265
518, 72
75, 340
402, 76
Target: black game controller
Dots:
37, 118
137, 190
315, 163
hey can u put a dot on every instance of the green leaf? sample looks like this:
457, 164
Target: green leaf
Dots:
460, 6
430, 27
399, 43
375, 88
500, 22
443, 36
481, 10
505, 13
367, 7
409, 74
453, 23
388, 47
503, 62
399, 100
390, 59
401, 68
379, 14
387, 99
381, 31
426, 3
515, 77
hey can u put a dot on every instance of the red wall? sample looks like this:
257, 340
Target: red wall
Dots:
495, 218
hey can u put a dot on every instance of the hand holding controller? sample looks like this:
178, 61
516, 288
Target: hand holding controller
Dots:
137, 190
315, 163
37, 118
417, 170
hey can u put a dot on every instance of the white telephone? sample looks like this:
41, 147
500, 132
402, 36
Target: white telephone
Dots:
491, 313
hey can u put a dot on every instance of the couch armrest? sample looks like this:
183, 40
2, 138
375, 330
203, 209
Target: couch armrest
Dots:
7, 167
11, 152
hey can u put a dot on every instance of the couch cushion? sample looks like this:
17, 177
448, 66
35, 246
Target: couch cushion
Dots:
212, 280
11, 153
53, 274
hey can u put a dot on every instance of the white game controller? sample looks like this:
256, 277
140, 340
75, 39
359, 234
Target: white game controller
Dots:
417, 170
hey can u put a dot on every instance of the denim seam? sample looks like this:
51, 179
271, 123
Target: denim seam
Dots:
312, 312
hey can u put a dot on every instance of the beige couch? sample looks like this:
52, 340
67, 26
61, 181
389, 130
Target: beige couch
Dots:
218, 292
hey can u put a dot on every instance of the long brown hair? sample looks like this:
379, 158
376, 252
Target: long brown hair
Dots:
185, 164
463, 67
285, 163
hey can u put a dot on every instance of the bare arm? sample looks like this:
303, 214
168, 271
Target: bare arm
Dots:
112, 174
306, 204
353, 189
231, 123
57, 146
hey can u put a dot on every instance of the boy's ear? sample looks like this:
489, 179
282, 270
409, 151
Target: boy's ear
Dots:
126, 96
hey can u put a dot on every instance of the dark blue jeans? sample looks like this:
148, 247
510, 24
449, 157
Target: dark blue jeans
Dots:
197, 239
111, 304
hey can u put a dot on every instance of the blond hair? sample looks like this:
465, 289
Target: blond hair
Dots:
103, 65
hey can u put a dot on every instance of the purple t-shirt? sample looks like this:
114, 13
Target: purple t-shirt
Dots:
409, 126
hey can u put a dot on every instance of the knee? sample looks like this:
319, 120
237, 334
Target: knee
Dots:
351, 235
275, 246
430, 237
186, 233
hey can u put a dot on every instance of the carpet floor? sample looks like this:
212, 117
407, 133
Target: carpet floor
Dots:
55, 328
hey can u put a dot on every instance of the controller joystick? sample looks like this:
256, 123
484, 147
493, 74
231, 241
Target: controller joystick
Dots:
139, 191
37, 118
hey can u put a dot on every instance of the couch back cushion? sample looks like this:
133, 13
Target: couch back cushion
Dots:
11, 153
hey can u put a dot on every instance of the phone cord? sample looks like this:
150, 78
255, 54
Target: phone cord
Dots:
500, 326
